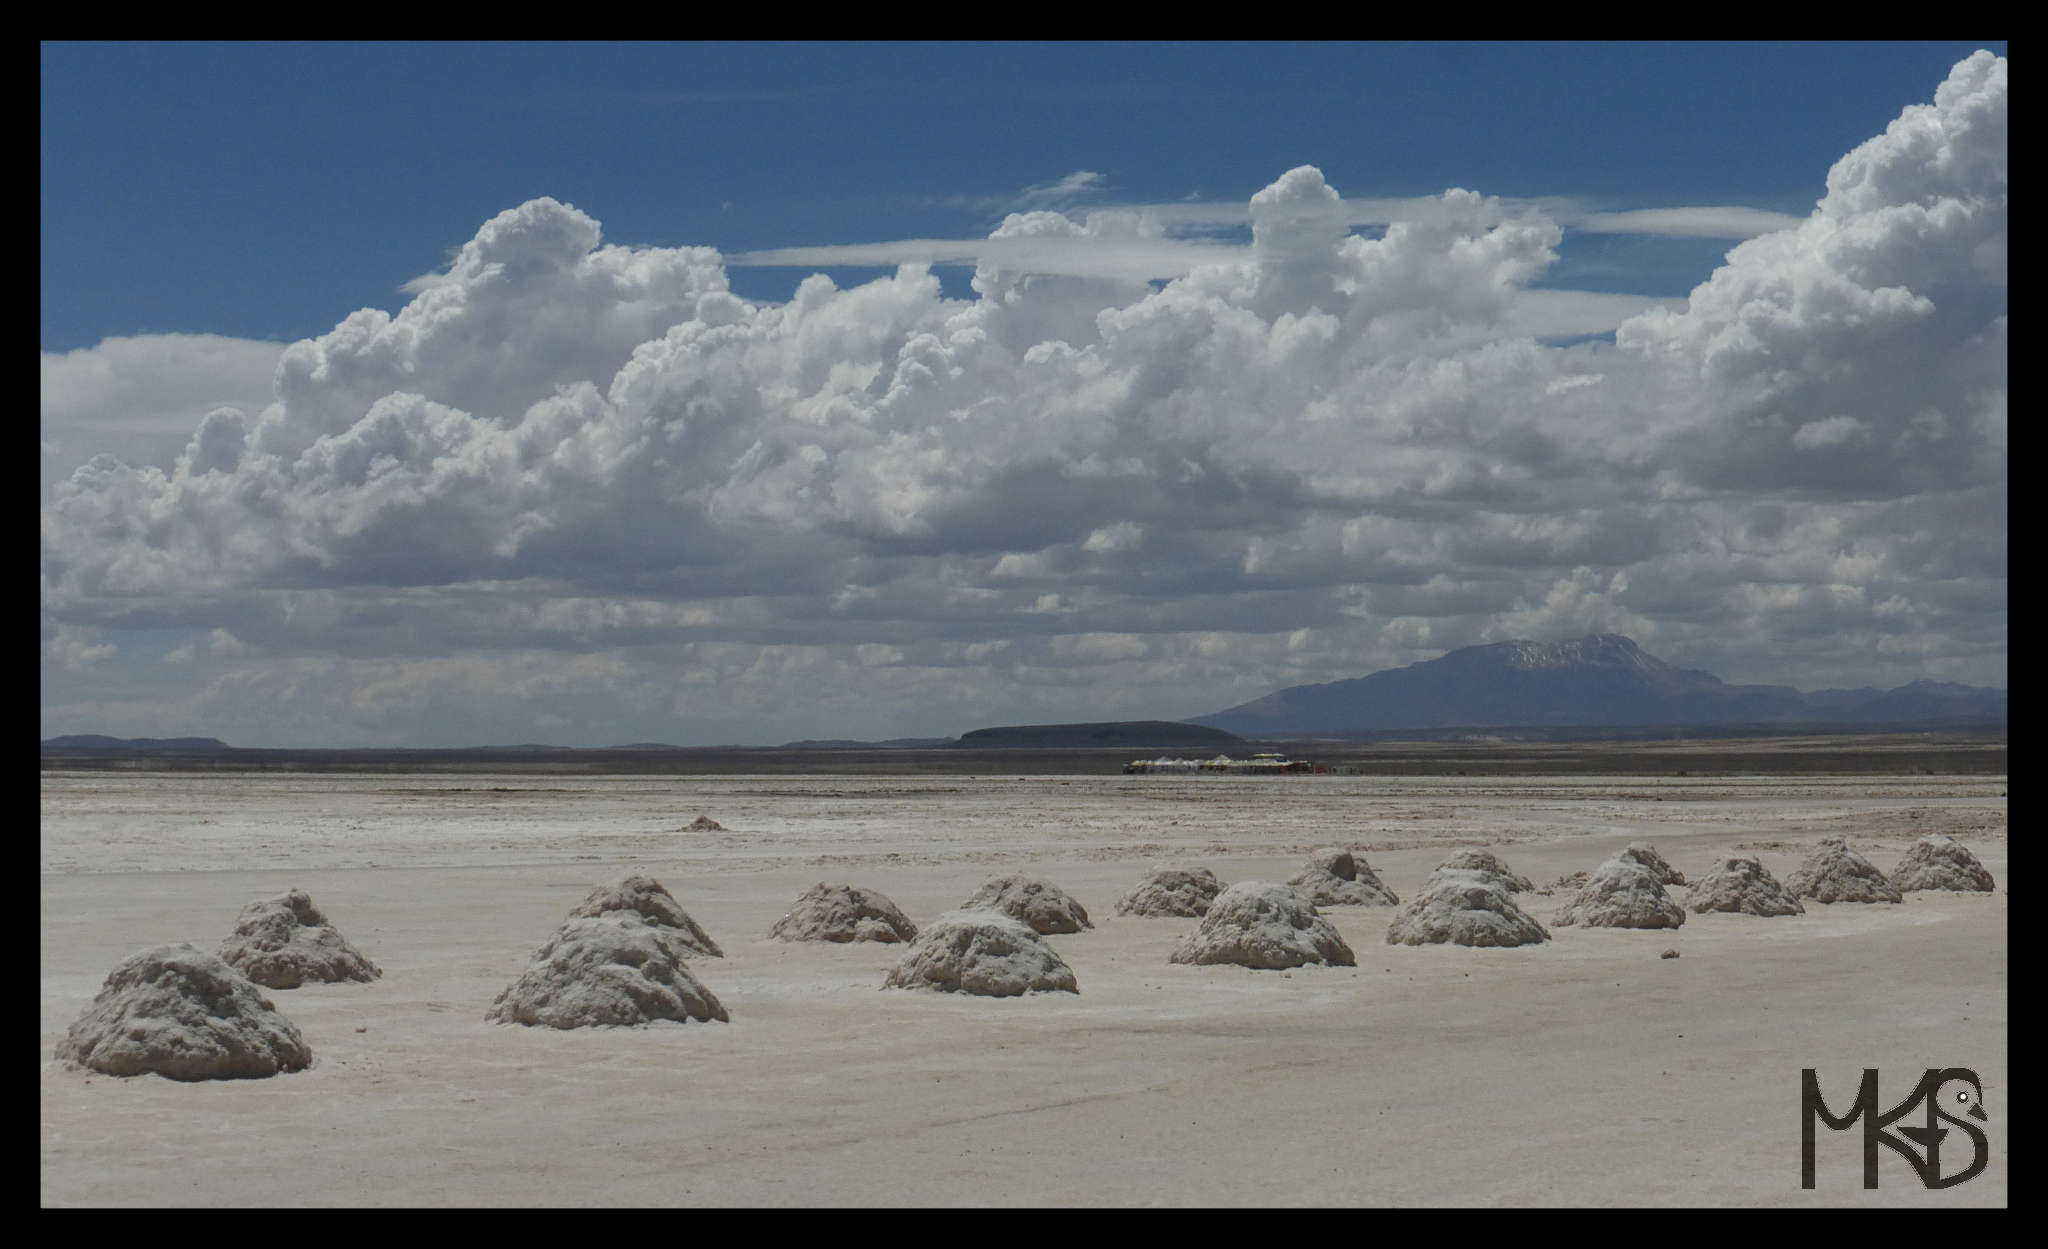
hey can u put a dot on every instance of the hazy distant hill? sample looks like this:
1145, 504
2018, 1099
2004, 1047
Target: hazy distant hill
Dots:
94, 741
1604, 680
1135, 734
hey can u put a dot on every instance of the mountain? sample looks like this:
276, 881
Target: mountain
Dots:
1145, 734
1604, 680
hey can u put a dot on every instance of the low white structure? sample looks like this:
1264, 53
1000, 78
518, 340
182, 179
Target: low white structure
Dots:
1264, 764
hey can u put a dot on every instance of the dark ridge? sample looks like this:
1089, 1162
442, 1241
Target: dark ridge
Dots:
95, 741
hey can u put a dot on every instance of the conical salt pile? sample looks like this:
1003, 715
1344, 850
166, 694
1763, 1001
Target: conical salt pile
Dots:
1172, 891
180, 1012
1271, 927
612, 971
1937, 861
1337, 877
984, 952
1571, 883
1479, 860
1739, 883
1464, 907
1622, 893
1641, 852
1835, 873
1036, 901
282, 942
843, 913
643, 896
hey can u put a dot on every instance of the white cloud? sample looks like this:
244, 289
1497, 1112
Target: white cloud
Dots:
1338, 452
1706, 222
140, 397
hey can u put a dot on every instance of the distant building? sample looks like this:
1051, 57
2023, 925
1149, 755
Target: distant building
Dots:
1264, 764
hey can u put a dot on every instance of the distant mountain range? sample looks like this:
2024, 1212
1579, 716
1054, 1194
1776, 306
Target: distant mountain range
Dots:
1603, 680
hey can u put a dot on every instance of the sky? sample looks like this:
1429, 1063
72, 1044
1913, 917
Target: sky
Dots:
439, 395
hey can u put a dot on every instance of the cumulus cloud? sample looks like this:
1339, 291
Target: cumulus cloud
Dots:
1875, 328
139, 398
1210, 468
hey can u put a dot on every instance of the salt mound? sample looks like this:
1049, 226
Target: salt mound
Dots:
1476, 860
843, 913
610, 971
1622, 893
1739, 882
705, 824
1254, 924
1573, 882
1336, 877
282, 942
1172, 891
644, 896
981, 951
1937, 861
1464, 906
182, 1013
1835, 873
1641, 852
1037, 902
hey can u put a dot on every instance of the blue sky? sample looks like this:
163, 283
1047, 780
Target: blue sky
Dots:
264, 190
1564, 419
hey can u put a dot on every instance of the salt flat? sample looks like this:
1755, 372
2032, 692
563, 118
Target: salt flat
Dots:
1585, 1071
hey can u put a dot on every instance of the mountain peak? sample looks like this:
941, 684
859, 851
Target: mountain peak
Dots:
1600, 680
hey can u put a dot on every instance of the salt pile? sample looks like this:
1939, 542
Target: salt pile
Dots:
1337, 877
1036, 901
1270, 927
981, 951
1641, 852
1622, 893
643, 896
705, 824
1476, 860
1740, 883
1937, 861
180, 1012
1835, 873
1463, 906
843, 913
282, 942
1172, 891
612, 971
